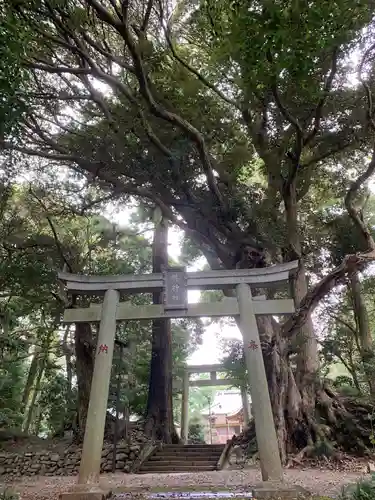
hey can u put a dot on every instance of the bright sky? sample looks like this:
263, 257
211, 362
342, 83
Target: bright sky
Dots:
210, 351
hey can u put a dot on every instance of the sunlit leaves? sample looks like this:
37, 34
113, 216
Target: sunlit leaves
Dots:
14, 38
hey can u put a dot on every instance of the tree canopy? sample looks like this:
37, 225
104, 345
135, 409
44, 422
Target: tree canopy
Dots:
250, 124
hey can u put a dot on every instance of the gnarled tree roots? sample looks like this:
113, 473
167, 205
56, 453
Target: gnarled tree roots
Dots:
334, 424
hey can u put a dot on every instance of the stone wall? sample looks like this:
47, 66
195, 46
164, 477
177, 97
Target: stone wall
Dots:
53, 463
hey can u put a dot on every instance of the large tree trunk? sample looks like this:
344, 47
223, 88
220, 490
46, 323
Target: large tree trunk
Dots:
343, 422
30, 412
293, 391
363, 328
84, 349
307, 361
67, 422
308, 414
33, 370
66, 348
159, 414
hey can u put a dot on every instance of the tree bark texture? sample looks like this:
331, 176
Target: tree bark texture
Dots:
159, 413
39, 375
363, 328
84, 349
308, 361
33, 370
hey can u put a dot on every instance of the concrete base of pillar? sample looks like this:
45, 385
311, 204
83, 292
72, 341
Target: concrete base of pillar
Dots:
86, 494
272, 490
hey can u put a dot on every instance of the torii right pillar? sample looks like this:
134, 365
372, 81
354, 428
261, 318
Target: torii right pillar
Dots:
268, 448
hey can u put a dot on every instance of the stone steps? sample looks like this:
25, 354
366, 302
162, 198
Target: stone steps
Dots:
176, 463
180, 468
179, 458
186, 458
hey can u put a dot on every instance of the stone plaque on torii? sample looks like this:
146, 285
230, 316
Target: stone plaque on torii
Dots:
174, 283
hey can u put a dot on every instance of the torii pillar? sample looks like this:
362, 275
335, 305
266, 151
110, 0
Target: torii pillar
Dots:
185, 408
89, 470
268, 448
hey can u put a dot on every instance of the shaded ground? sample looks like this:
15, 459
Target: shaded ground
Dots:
319, 482
19, 443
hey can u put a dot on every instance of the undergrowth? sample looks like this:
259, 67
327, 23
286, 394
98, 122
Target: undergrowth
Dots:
8, 494
364, 489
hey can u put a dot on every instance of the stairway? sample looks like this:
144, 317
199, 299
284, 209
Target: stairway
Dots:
183, 458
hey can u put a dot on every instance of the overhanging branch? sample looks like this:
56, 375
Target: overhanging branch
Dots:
156, 108
196, 73
326, 90
350, 265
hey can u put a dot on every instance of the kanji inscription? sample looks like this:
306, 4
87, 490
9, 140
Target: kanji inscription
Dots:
175, 296
253, 345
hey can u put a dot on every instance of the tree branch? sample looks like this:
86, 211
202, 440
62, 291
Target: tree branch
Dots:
53, 229
342, 322
196, 73
296, 155
370, 108
349, 266
147, 16
326, 90
156, 109
59, 69
353, 212
285, 112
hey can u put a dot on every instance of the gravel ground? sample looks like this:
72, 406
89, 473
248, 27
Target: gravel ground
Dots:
319, 482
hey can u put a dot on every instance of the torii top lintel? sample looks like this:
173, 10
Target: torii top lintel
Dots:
267, 277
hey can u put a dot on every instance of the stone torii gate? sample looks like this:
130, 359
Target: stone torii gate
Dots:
175, 282
213, 381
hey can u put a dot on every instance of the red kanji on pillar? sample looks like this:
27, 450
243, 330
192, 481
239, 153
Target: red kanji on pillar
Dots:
103, 348
253, 345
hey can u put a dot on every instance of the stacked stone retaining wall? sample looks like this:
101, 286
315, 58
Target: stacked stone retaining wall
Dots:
66, 463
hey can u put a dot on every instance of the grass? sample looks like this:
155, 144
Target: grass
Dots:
9, 494
364, 489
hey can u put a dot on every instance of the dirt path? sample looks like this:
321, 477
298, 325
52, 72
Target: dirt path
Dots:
319, 482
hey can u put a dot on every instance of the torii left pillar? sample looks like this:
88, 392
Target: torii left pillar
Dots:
185, 408
89, 470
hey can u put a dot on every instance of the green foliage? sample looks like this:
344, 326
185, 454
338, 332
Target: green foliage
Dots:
9, 494
234, 360
56, 400
196, 432
14, 41
364, 489
342, 340
345, 386
12, 378
199, 398
221, 167
11, 385
321, 449
343, 380
42, 231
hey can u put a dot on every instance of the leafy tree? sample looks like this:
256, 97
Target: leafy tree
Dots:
231, 135
159, 416
196, 432
198, 399
43, 232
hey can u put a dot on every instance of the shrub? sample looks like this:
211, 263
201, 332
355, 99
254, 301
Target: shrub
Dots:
8, 494
321, 449
363, 489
